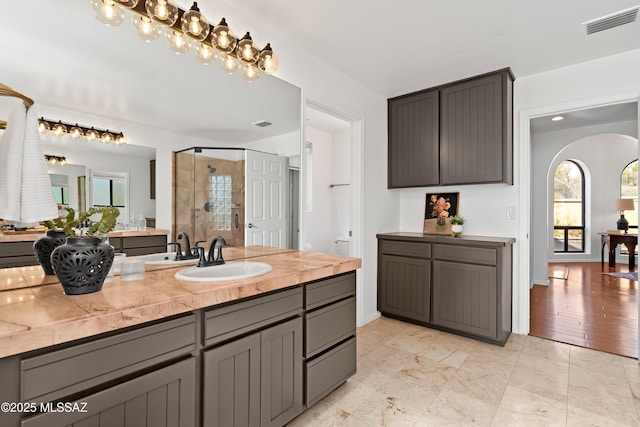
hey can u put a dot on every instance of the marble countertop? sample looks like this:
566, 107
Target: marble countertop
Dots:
35, 313
31, 237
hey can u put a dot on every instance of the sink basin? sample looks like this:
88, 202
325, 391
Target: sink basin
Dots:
164, 258
228, 271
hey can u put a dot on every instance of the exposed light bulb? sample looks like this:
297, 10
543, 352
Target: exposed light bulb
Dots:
230, 64
108, 12
178, 42
106, 137
250, 73
146, 29
128, 3
163, 11
92, 134
205, 54
59, 129
247, 50
222, 38
43, 126
268, 60
75, 132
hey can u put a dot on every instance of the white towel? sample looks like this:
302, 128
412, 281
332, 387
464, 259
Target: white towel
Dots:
26, 195
11, 148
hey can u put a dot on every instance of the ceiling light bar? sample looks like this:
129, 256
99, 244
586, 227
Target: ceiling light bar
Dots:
185, 29
55, 160
75, 131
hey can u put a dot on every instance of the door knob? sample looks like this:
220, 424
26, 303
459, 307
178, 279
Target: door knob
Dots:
252, 226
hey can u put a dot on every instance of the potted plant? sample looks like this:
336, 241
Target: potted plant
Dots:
83, 261
456, 225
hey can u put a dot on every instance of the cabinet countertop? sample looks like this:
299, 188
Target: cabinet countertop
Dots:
435, 238
42, 315
31, 237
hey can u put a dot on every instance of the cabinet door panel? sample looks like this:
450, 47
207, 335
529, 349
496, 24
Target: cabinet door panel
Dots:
231, 386
404, 287
413, 140
464, 298
281, 373
471, 136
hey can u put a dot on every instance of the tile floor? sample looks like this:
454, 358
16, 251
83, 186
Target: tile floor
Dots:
414, 376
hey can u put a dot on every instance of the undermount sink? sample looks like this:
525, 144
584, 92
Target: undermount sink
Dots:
228, 271
164, 258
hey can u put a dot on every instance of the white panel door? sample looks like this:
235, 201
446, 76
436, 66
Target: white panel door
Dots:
266, 200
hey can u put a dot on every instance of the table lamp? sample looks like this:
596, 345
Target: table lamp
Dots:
624, 205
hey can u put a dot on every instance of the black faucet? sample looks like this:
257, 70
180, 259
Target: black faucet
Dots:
214, 257
189, 252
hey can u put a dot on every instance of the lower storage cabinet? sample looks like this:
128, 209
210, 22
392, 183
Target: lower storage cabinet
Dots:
165, 397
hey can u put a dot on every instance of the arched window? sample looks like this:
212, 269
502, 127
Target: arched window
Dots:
568, 207
629, 190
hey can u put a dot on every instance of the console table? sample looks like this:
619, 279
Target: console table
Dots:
613, 240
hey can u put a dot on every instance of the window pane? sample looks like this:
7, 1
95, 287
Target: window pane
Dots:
101, 192
118, 192
568, 208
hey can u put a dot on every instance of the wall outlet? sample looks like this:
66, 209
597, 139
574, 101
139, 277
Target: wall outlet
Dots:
510, 212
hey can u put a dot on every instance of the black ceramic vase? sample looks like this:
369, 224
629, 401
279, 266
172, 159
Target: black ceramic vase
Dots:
43, 247
82, 264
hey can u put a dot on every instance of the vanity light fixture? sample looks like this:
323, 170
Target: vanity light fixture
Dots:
55, 160
184, 28
75, 131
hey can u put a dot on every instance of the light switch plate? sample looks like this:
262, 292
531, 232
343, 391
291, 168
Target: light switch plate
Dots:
510, 212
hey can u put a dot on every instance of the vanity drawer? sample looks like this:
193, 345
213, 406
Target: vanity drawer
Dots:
61, 373
237, 319
330, 325
143, 242
327, 291
410, 249
328, 371
12, 249
471, 255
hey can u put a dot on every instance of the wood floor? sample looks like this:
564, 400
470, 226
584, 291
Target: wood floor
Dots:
588, 308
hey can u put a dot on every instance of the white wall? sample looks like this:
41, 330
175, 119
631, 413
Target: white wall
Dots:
602, 153
319, 232
72, 172
340, 174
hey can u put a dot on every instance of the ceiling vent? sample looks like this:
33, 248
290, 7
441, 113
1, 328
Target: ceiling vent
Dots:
613, 20
262, 124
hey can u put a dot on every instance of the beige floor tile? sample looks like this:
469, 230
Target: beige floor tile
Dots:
598, 361
602, 394
387, 359
460, 409
578, 417
541, 376
415, 341
384, 410
515, 342
493, 359
350, 396
523, 408
322, 414
635, 392
426, 373
487, 387
631, 368
556, 351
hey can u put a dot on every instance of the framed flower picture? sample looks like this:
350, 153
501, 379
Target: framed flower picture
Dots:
439, 208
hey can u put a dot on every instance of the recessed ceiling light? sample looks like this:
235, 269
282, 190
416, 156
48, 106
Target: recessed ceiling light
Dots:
557, 118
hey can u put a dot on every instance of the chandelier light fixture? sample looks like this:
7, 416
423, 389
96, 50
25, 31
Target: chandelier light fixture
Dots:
190, 28
75, 131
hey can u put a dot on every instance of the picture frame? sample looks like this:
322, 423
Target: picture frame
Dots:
439, 208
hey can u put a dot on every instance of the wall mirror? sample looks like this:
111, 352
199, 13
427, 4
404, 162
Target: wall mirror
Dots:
79, 70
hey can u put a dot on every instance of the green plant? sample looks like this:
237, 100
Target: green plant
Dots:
457, 220
68, 223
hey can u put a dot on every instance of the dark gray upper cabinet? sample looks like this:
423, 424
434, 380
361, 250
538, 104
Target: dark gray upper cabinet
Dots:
459, 133
413, 140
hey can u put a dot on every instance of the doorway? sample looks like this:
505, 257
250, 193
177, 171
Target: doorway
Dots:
599, 142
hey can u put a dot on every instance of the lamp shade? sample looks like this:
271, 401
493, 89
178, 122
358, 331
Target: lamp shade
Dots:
624, 204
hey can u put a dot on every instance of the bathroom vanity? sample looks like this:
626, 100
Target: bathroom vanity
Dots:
159, 351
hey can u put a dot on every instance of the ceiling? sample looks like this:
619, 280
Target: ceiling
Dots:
586, 117
64, 57
395, 47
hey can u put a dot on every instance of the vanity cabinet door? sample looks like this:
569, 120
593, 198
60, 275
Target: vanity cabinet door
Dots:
231, 385
413, 140
165, 397
281, 373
